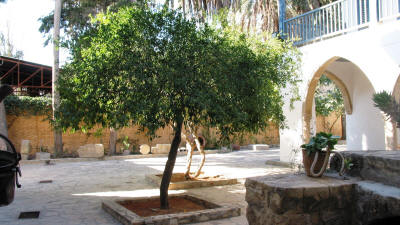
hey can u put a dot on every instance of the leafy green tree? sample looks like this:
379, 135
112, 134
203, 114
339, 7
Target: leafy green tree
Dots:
75, 16
7, 48
328, 100
255, 15
155, 69
74, 20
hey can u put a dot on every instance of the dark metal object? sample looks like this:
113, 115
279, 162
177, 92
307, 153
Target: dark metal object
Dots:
9, 171
29, 215
9, 162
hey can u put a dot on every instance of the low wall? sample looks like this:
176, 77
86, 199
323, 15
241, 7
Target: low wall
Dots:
38, 130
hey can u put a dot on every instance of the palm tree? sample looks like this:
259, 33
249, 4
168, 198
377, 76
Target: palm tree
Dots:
58, 146
248, 14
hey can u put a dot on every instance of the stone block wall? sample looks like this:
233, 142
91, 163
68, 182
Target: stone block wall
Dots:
38, 130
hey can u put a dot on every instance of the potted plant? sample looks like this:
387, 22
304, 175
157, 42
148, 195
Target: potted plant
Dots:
125, 146
316, 154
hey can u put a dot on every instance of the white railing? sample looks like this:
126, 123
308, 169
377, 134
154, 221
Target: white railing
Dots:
388, 9
338, 18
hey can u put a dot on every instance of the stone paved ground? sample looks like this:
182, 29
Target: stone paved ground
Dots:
75, 195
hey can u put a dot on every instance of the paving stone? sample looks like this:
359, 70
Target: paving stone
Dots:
78, 188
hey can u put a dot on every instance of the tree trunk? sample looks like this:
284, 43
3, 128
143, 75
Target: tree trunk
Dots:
3, 119
338, 115
169, 166
203, 157
190, 151
58, 147
112, 141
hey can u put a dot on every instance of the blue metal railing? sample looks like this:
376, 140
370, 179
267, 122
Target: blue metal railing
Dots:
338, 18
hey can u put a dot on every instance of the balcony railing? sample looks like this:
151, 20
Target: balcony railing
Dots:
338, 18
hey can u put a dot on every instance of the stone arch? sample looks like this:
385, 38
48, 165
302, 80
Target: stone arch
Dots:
356, 89
396, 89
307, 114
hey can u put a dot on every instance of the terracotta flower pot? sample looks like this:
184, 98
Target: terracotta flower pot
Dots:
308, 160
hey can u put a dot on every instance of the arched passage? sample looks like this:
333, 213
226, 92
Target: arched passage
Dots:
308, 112
364, 123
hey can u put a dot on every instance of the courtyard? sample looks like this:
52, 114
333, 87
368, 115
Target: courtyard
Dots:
77, 189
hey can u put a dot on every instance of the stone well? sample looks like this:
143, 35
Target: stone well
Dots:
298, 199
371, 194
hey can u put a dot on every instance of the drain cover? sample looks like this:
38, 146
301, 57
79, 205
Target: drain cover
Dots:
45, 181
29, 215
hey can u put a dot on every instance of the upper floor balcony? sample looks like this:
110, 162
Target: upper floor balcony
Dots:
339, 18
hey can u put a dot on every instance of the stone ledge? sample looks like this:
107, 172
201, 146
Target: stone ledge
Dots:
378, 165
278, 163
156, 180
256, 147
298, 199
376, 201
126, 216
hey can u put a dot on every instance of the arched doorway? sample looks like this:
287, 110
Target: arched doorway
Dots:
364, 123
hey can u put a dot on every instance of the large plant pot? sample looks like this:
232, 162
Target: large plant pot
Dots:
308, 160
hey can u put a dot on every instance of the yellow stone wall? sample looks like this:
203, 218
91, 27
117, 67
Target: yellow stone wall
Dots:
328, 121
39, 132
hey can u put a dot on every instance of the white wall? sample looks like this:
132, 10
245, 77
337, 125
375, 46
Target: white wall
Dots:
374, 55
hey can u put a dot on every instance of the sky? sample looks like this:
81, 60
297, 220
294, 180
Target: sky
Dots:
21, 18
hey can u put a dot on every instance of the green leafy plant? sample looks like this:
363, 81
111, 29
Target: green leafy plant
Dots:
320, 142
25, 105
125, 142
348, 164
388, 104
43, 148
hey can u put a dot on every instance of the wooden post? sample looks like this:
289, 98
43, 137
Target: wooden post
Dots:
282, 17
